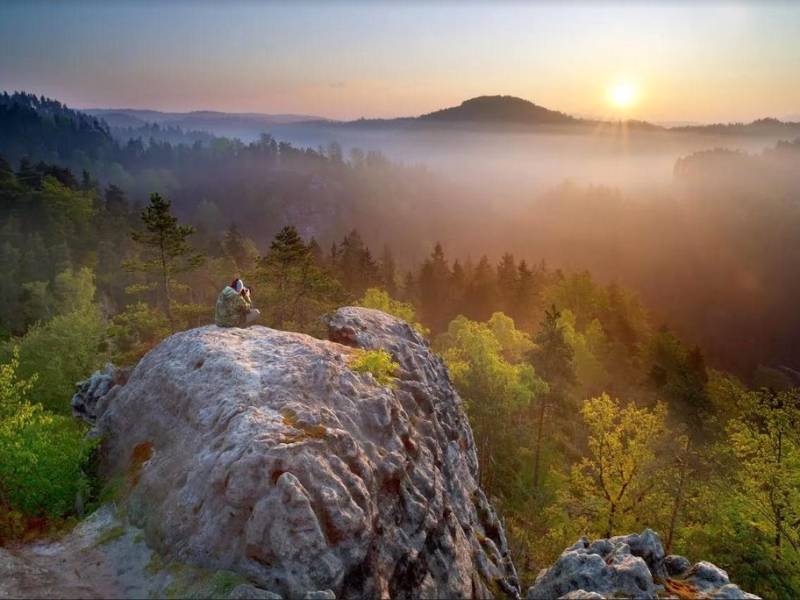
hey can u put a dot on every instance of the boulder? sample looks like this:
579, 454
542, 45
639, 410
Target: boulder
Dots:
603, 567
631, 566
262, 452
91, 391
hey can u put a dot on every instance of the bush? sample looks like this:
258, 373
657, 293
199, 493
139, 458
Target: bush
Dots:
377, 362
381, 300
60, 352
41, 454
136, 331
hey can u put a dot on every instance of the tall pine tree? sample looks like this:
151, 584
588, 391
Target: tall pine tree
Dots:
165, 249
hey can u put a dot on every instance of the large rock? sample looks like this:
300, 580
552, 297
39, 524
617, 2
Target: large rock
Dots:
631, 566
92, 391
262, 452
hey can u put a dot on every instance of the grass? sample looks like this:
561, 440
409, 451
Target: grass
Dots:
379, 363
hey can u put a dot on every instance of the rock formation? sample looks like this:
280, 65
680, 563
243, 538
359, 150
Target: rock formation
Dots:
264, 453
631, 566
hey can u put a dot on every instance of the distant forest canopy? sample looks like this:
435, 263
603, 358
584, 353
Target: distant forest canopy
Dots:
711, 255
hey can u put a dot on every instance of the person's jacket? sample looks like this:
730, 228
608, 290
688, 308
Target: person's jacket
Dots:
231, 308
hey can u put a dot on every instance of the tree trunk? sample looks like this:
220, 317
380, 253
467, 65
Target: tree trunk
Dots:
673, 519
165, 287
538, 446
610, 525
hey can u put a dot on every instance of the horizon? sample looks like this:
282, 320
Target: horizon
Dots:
667, 124
347, 60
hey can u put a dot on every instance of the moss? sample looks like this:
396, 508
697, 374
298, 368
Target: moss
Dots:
223, 582
109, 535
194, 582
155, 565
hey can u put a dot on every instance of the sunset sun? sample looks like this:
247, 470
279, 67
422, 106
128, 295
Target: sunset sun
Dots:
623, 94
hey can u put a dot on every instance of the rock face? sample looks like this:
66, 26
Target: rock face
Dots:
631, 566
262, 452
88, 393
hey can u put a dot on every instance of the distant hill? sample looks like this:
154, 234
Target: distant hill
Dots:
488, 112
499, 109
247, 126
759, 127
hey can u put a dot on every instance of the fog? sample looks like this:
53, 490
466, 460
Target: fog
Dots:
518, 160
706, 235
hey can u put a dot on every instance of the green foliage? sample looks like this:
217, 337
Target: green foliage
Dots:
608, 487
41, 454
765, 444
165, 248
381, 300
588, 347
497, 391
61, 352
680, 374
293, 291
135, 331
378, 362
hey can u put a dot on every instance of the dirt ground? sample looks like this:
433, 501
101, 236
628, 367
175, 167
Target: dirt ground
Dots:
100, 558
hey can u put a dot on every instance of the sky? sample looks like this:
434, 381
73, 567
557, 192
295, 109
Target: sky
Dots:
686, 61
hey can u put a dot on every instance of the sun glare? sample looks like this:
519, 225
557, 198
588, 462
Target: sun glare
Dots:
623, 94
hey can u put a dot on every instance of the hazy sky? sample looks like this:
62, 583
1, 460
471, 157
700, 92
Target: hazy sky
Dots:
715, 61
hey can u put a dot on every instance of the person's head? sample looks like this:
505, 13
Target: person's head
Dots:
238, 285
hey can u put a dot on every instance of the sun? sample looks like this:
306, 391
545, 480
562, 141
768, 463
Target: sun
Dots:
623, 94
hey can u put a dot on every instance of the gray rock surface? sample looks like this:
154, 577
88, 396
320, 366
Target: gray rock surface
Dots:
245, 591
262, 452
631, 566
91, 391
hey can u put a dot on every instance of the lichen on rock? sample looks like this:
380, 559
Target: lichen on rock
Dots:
270, 457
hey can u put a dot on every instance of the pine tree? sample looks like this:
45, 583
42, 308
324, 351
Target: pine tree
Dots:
234, 247
296, 291
388, 274
433, 288
552, 358
165, 247
507, 279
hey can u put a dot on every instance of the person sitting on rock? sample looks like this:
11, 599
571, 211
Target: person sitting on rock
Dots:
234, 307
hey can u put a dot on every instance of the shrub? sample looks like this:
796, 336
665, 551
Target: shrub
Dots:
60, 352
377, 362
136, 331
41, 454
381, 300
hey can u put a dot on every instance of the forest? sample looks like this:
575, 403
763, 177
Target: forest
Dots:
611, 385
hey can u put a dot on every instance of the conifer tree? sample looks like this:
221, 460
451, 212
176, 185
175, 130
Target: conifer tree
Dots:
433, 290
552, 357
296, 291
165, 248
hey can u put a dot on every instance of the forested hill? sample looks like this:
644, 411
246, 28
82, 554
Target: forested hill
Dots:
499, 109
43, 129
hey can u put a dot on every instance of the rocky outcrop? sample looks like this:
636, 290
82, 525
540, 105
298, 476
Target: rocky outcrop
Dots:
88, 393
262, 452
631, 566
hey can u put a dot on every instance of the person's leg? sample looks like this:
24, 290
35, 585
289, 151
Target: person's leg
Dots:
252, 315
